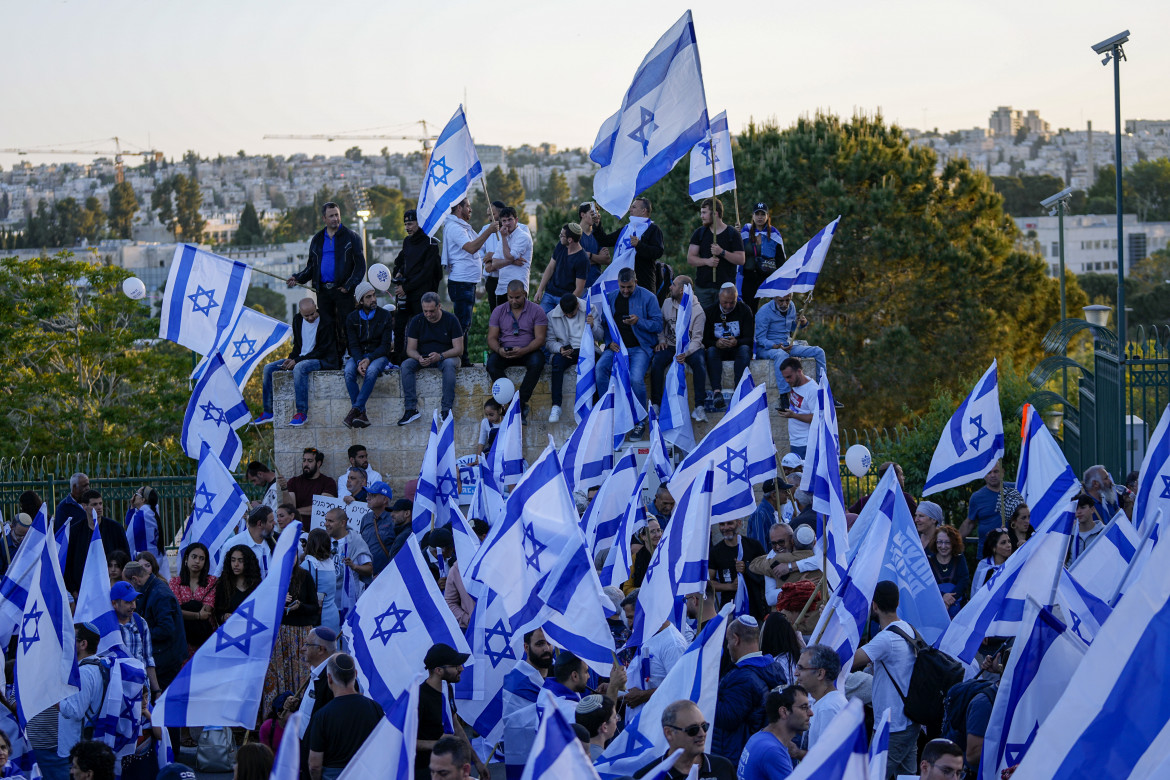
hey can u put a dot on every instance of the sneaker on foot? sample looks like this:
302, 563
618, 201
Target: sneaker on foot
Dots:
638, 431
390, 368
266, 417
709, 405
554, 414
349, 418
297, 420
408, 416
720, 404
699, 414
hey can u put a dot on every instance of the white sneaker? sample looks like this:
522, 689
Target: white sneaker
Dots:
554, 414
698, 415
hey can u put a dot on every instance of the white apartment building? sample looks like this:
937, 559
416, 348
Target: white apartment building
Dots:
1090, 241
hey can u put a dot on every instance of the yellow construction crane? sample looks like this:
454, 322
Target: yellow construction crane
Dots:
425, 138
119, 174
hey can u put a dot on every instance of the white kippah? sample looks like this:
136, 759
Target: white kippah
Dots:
749, 621
728, 286
805, 535
590, 703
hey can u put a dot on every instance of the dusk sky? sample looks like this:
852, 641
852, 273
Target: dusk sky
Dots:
216, 76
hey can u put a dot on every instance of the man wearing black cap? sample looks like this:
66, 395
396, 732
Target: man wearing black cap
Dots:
418, 269
444, 666
763, 252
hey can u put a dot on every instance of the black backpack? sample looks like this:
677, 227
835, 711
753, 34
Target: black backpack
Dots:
956, 704
934, 674
87, 723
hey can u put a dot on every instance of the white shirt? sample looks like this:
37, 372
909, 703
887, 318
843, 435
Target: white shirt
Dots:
771, 587
492, 247
371, 477
802, 400
520, 245
661, 653
462, 266
824, 709
891, 656
244, 538
308, 700
309, 335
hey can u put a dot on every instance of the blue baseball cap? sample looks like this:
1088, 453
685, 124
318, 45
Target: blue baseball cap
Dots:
123, 591
381, 488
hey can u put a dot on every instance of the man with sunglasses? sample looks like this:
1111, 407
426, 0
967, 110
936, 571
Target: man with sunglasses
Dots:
517, 330
685, 729
418, 269
727, 335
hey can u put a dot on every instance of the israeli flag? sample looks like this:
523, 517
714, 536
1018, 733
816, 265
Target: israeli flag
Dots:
1043, 660
389, 751
663, 115
920, 603
214, 413
1115, 722
453, 168
712, 171
675, 418
742, 388
1102, 566
204, 295
586, 366
679, 564
602, 518
587, 456
800, 272
119, 721
694, 677
1044, 478
822, 479
216, 510
288, 756
627, 410
1153, 491
438, 482
623, 257
46, 653
505, 460
22, 759
659, 456
497, 649
17, 580
93, 597
1084, 612
223, 683
61, 540
253, 337
972, 442
142, 533
879, 748
741, 446
842, 751
620, 560
557, 754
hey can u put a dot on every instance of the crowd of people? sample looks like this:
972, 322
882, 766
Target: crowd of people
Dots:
367, 342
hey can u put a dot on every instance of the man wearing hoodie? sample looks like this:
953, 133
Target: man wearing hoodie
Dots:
418, 269
739, 708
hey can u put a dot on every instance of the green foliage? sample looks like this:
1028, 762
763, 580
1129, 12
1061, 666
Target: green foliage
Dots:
389, 204
268, 302
63, 224
82, 367
354, 153
512, 194
250, 231
556, 193
1146, 291
123, 206
1145, 190
176, 201
1154, 268
302, 222
1022, 194
477, 336
548, 231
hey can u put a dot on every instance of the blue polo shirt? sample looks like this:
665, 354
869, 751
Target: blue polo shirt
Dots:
590, 245
327, 259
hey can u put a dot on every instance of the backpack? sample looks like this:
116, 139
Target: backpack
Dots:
934, 674
956, 704
87, 721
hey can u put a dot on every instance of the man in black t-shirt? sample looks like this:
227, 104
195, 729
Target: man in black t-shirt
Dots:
343, 725
716, 249
728, 334
434, 339
444, 667
730, 557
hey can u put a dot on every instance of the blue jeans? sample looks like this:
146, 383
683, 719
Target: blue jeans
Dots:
300, 374
548, 302
359, 395
742, 355
462, 296
52, 766
559, 366
639, 365
410, 367
778, 356
662, 360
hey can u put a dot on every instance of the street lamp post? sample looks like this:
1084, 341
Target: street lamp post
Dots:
1057, 204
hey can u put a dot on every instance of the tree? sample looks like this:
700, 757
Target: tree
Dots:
556, 193
548, 232
354, 153
1022, 194
1153, 269
162, 203
188, 199
123, 206
250, 231
267, 301
1145, 190
513, 194
93, 219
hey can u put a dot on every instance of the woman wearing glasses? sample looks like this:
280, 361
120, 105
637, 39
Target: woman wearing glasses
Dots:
997, 548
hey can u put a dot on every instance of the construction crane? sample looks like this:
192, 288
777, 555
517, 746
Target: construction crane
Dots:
119, 174
425, 138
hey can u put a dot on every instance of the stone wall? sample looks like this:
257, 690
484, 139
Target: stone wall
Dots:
397, 452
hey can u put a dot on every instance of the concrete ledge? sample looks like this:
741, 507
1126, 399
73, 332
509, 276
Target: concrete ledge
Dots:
397, 452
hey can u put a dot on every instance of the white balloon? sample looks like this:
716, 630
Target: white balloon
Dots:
503, 390
134, 288
858, 459
379, 276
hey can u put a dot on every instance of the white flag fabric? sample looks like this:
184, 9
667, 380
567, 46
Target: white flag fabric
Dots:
663, 115
46, 653
93, 597
118, 722
557, 754
216, 510
633, 519
1101, 567
505, 460
604, 515
627, 409
253, 337
800, 272
675, 417
214, 413
586, 384
623, 257
204, 295
223, 682
389, 752
659, 456
497, 649
712, 171
879, 747
841, 752
972, 441
395, 622
587, 455
454, 166
1044, 479
438, 481
142, 534
1153, 492
821, 478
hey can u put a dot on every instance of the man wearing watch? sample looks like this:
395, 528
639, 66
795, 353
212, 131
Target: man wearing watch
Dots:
715, 250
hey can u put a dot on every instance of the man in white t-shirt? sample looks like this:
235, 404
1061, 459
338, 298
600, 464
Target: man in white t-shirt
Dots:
514, 257
817, 672
802, 403
658, 655
463, 263
261, 524
893, 663
358, 457
491, 250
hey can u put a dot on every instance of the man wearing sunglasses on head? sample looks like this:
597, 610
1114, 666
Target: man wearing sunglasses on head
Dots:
685, 730
517, 330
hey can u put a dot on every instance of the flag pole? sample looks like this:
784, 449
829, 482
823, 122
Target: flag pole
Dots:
1137, 552
735, 194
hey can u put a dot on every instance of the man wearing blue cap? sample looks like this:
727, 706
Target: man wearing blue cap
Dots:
383, 528
135, 631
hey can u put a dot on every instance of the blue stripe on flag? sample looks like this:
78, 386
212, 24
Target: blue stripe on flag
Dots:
175, 318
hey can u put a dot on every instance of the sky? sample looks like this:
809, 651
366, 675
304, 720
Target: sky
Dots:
216, 76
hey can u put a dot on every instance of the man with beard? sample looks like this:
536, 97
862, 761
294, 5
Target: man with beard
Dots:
521, 687
358, 458
368, 331
418, 269
444, 667
311, 482
257, 537
729, 558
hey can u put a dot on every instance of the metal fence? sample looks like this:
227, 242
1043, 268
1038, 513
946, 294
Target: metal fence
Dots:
878, 442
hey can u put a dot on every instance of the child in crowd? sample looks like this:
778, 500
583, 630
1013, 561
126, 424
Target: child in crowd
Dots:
489, 426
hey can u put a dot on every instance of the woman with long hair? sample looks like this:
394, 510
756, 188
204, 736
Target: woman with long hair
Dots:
241, 575
253, 761
115, 562
149, 532
763, 253
651, 536
147, 559
318, 564
997, 548
194, 587
950, 567
1020, 525
779, 639
302, 612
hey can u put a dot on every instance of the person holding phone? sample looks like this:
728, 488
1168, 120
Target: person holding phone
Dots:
517, 331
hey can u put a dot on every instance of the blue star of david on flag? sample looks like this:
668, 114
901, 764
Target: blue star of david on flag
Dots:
204, 309
440, 164
130, 705
537, 546
498, 656
1165, 486
642, 132
710, 151
1014, 753
399, 627
977, 421
35, 617
244, 347
213, 413
201, 492
728, 465
447, 485
252, 627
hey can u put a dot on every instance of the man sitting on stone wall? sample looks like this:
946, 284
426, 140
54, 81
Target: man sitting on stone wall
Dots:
517, 331
434, 339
